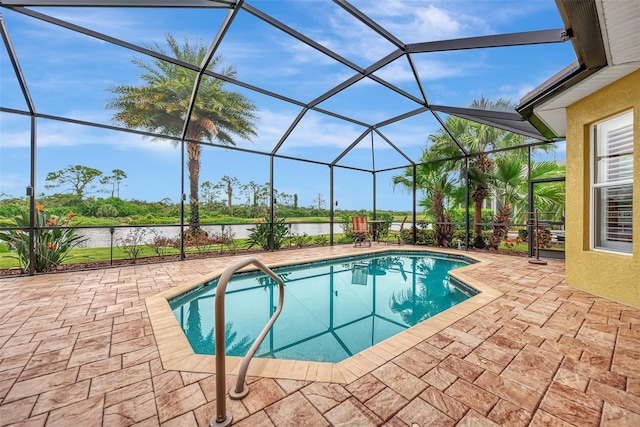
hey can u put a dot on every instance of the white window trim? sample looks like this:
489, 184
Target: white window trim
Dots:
593, 185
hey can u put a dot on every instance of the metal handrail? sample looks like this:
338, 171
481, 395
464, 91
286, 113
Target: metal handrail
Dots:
222, 418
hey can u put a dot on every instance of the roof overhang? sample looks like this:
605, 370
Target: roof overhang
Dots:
606, 38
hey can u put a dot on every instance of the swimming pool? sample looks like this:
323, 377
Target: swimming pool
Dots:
332, 310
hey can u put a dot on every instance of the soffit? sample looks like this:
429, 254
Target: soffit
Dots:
619, 21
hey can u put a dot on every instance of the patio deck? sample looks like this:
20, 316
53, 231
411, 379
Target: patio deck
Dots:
78, 349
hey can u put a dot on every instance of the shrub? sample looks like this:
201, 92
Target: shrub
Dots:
160, 244
346, 224
10, 211
509, 243
424, 236
544, 238
133, 243
202, 241
227, 238
523, 234
107, 211
52, 243
300, 240
457, 216
261, 233
230, 242
321, 239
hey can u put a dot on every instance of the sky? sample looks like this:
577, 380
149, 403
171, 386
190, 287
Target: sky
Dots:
69, 74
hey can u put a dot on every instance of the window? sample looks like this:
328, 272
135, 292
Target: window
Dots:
612, 184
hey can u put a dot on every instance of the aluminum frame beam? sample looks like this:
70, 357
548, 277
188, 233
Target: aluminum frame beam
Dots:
124, 3
506, 120
498, 40
16, 66
369, 23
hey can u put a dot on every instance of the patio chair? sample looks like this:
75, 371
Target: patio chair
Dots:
396, 233
361, 231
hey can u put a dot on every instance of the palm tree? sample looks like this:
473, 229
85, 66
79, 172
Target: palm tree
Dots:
436, 182
506, 181
509, 183
161, 103
418, 301
206, 344
478, 138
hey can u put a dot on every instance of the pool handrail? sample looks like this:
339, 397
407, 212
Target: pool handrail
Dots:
222, 418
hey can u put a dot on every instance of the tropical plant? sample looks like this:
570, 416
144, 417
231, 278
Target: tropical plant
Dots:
476, 139
261, 234
548, 197
415, 303
300, 240
509, 185
52, 240
506, 181
162, 102
437, 182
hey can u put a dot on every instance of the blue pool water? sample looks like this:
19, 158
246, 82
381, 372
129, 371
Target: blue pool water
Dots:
332, 309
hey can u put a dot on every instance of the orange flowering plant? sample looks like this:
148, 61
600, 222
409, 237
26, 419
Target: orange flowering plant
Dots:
52, 240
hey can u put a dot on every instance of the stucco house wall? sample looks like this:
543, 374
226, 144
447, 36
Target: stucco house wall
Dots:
612, 275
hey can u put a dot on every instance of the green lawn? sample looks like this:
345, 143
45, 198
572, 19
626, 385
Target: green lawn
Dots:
80, 255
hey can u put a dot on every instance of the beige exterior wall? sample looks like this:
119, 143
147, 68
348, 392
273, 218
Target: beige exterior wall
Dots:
611, 275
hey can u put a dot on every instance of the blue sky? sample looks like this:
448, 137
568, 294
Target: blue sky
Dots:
68, 73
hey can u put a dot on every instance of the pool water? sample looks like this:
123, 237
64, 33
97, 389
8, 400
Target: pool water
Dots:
332, 309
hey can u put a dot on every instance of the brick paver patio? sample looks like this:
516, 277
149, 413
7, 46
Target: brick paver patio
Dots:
77, 349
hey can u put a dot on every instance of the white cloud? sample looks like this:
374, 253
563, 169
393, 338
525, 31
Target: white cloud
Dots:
52, 133
272, 126
414, 22
315, 130
514, 93
396, 72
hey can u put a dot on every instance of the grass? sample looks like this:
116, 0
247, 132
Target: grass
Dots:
81, 255
523, 247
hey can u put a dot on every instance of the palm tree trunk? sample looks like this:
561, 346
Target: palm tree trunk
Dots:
499, 232
193, 165
443, 232
477, 215
478, 195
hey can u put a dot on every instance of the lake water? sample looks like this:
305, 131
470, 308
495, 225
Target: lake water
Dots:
102, 237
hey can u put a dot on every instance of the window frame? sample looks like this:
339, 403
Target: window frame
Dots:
597, 129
